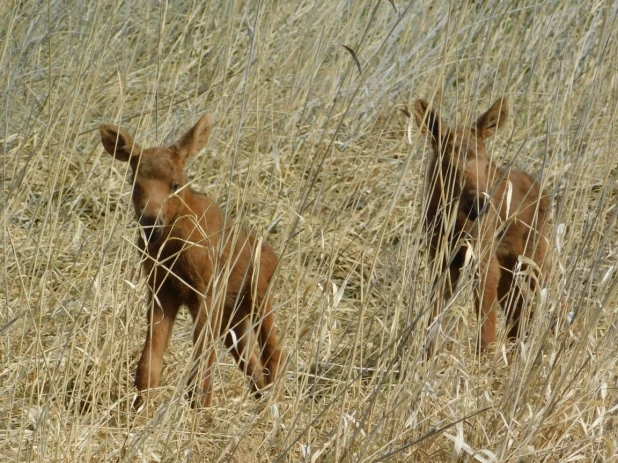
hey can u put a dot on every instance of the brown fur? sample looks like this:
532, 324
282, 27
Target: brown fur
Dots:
469, 191
194, 254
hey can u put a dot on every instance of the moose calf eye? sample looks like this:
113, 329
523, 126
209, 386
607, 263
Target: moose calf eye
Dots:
176, 186
471, 209
475, 207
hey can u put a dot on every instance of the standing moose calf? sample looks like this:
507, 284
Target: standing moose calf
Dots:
194, 256
470, 197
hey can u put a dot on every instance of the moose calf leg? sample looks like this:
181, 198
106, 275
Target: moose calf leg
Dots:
487, 300
448, 284
272, 356
240, 339
514, 313
161, 317
204, 338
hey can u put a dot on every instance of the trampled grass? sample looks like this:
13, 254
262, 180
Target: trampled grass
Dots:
311, 151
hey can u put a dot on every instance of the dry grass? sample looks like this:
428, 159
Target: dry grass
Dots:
319, 155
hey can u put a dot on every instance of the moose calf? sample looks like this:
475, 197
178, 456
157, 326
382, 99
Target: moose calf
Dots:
471, 198
195, 257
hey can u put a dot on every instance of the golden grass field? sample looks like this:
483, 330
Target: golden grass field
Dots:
312, 151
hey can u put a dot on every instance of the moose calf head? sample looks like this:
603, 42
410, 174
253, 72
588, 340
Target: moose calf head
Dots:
158, 173
466, 171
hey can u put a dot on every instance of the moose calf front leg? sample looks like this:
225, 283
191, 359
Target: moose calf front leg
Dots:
487, 298
444, 285
161, 316
205, 332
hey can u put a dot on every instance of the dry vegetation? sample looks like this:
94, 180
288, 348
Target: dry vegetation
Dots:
316, 156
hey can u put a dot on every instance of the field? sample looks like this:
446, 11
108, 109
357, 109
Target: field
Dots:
312, 149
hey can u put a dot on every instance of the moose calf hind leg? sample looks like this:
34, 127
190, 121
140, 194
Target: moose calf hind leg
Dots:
271, 353
240, 340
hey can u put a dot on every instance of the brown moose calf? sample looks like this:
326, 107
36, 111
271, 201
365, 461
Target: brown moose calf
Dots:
470, 198
195, 257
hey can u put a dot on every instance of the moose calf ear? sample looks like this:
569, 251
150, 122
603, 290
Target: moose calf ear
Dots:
493, 119
195, 139
428, 120
118, 142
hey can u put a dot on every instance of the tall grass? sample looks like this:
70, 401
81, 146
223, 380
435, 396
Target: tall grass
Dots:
311, 151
